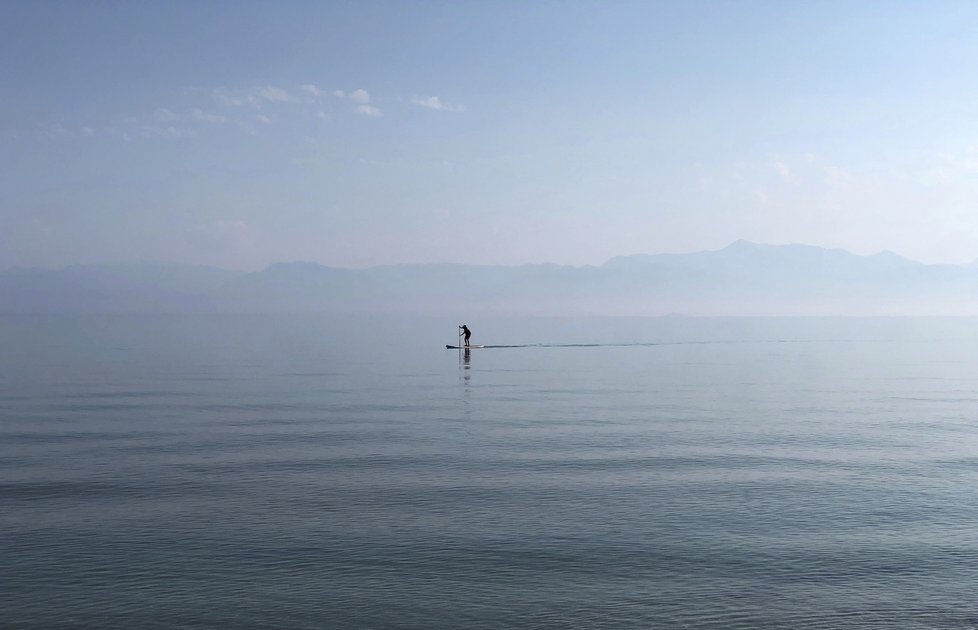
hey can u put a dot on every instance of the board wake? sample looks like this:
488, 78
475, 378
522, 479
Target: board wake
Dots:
639, 344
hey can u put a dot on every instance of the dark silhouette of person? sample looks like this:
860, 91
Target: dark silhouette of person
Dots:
465, 331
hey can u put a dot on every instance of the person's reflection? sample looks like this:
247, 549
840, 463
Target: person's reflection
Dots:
466, 364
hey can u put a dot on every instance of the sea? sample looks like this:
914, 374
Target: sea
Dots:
311, 471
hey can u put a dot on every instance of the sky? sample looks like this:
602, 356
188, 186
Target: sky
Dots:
355, 134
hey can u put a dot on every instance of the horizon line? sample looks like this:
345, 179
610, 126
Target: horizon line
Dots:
732, 244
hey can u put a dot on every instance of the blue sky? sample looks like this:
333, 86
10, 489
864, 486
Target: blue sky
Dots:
355, 134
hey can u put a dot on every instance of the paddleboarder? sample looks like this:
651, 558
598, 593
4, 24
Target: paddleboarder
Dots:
466, 332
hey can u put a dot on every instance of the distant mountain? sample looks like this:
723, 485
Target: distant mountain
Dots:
753, 256
116, 287
741, 279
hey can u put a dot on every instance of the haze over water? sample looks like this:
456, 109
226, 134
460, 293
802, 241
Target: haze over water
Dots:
302, 471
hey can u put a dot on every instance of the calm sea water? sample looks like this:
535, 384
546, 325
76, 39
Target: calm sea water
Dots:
312, 472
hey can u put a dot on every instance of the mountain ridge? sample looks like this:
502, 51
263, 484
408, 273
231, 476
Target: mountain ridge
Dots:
738, 245
743, 278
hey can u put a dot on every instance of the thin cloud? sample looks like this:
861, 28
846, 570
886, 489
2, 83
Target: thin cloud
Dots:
433, 102
311, 90
164, 123
200, 115
359, 96
274, 94
245, 109
154, 131
58, 131
362, 98
257, 96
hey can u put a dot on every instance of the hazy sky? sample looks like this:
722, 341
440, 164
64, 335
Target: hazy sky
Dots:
354, 134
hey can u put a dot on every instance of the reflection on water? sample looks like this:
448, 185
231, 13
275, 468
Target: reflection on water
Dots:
465, 363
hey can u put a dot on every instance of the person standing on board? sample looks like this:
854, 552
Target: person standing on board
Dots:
465, 331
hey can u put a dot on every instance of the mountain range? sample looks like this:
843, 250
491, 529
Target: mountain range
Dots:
743, 278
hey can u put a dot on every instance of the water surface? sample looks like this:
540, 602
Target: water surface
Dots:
307, 471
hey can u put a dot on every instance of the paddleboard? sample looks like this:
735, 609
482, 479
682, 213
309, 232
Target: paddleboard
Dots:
462, 347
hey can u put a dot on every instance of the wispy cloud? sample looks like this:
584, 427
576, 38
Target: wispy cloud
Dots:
159, 131
59, 131
257, 96
433, 102
357, 96
244, 109
201, 116
362, 98
274, 95
311, 90
167, 123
